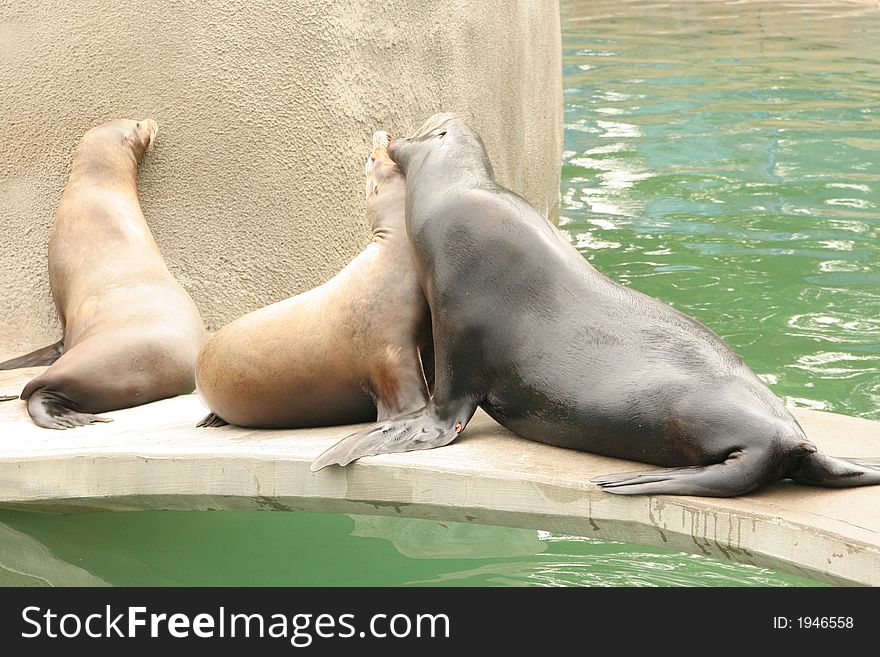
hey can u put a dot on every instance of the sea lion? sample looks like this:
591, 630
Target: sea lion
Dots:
131, 332
556, 352
346, 351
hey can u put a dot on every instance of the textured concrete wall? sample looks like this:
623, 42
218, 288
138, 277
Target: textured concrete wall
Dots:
254, 188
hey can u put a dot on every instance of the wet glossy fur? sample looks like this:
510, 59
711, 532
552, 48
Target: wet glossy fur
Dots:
555, 351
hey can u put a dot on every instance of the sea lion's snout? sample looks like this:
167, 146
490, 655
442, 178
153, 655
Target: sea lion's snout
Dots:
381, 140
380, 167
149, 130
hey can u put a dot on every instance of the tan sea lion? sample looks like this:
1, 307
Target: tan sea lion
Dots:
346, 351
131, 332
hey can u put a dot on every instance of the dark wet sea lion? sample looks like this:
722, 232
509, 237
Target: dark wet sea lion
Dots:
131, 332
346, 351
558, 353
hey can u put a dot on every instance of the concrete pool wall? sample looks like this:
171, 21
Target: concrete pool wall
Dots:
254, 190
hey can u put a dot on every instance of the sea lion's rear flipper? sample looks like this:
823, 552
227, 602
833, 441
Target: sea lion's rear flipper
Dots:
822, 470
422, 429
4, 398
742, 472
50, 411
212, 420
42, 356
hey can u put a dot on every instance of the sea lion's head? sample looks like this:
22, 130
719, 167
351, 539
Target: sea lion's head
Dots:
143, 134
444, 143
385, 185
121, 135
380, 168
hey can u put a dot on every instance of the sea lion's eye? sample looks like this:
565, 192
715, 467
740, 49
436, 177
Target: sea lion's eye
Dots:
441, 134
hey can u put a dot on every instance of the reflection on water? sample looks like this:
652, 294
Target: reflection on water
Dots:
579, 561
725, 158
24, 561
240, 548
431, 539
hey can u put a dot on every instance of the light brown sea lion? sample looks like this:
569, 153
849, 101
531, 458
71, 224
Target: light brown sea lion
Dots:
131, 332
346, 351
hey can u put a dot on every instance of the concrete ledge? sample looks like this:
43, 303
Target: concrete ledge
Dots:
152, 457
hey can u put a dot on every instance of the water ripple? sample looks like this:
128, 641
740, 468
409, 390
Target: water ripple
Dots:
723, 157
602, 563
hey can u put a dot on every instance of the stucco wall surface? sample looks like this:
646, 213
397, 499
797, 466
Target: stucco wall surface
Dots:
254, 187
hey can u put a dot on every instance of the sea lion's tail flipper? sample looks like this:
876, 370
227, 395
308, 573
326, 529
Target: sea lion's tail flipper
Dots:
50, 411
212, 420
42, 356
421, 429
822, 470
740, 473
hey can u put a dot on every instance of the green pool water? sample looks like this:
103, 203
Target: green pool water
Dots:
721, 157
725, 158
264, 548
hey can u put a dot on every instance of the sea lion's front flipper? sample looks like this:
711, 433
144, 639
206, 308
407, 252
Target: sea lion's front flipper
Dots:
212, 420
742, 472
422, 429
50, 411
822, 470
42, 356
